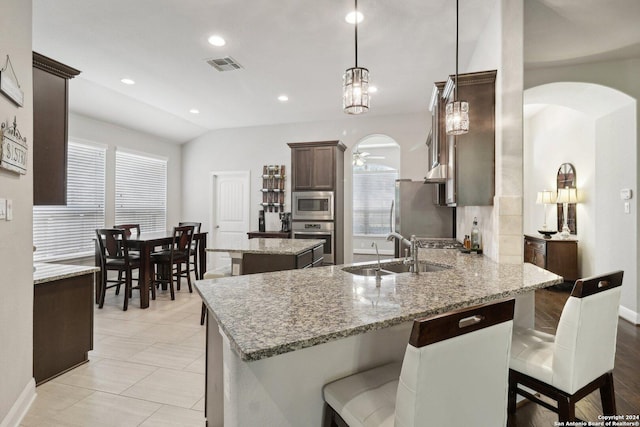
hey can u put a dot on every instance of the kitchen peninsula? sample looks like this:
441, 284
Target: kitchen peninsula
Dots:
277, 338
260, 255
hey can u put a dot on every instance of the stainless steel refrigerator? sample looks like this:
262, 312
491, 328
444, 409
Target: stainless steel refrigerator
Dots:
415, 213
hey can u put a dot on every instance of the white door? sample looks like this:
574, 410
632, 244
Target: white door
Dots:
229, 213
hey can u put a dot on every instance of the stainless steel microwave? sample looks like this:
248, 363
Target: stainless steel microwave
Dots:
312, 205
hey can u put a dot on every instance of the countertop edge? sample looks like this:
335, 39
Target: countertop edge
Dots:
53, 272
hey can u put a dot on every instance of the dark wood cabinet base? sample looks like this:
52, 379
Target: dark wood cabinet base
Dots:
62, 326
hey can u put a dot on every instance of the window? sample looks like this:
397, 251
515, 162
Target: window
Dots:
141, 191
64, 232
373, 192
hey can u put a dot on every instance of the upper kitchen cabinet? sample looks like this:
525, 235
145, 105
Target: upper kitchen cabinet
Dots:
316, 166
471, 157
50, 117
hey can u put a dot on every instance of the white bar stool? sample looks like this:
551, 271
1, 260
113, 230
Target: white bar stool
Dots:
454, 373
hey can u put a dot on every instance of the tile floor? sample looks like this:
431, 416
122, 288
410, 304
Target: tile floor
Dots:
146, 369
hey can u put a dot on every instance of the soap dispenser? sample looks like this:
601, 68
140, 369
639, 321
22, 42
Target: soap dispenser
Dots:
476, 237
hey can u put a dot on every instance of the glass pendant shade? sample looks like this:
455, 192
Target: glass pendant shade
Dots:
355, 90
457, 117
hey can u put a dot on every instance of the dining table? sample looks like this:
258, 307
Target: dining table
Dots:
146, 242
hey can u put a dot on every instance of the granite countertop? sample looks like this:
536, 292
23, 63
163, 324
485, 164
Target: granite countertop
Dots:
47, 272
267, 314
270, 246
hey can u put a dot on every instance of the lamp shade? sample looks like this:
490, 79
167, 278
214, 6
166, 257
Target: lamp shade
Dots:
355, 91
567, 195
545, 197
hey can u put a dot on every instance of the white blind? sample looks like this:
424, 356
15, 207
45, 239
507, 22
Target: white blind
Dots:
141, 191
373, 191
61, 232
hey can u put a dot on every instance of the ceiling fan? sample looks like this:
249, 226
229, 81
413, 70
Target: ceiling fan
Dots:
361, 157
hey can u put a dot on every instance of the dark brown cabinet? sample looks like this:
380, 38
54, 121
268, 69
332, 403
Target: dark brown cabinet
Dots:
50, 118
269, 234
315, 165
62, 325
559, 256
470, 158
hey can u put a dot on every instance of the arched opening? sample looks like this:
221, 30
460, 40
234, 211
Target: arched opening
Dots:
593, 127
375, 167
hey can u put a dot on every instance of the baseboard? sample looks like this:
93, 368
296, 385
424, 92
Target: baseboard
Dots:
20, 406
629, 315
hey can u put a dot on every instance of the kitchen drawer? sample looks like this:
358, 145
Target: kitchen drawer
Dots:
536, 246
304, 259
318, 254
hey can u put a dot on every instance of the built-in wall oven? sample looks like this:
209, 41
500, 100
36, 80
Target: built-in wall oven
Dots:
312, 206
317, 230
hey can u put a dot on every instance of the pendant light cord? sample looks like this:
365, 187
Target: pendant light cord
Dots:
455, 88
356, 32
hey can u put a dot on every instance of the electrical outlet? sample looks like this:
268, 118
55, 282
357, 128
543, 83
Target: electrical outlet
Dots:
9, 210
3, 209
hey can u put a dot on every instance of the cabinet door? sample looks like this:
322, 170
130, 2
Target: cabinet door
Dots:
50, 139
302, 168
535, 253
323, 168
450, 184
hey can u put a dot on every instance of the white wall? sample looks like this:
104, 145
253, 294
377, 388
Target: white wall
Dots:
621, 75
85, 129
251, 148
17, 387
554, 136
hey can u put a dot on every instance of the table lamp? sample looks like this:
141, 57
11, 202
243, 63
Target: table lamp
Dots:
566, 195
545, 197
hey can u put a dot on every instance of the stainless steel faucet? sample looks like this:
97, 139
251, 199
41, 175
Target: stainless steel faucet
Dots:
394, 235
378, 276
413, 259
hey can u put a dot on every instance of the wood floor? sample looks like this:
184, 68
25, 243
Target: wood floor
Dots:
626, 373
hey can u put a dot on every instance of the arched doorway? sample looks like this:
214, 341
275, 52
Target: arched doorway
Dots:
592, 127
375, 167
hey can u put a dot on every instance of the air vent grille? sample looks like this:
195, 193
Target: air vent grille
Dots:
224, 64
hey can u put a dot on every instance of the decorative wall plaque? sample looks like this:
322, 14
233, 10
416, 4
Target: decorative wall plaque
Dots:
9, 86
14, 149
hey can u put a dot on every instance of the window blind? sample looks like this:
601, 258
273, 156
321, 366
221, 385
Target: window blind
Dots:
141, 191
64, 232
373, 192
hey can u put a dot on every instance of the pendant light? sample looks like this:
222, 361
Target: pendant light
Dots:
457, 112
355, 83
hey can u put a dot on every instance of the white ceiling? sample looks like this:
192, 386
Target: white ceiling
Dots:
293, 47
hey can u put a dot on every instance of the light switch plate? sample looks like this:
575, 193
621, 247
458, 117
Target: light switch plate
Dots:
3, 208
625, 194
9, 210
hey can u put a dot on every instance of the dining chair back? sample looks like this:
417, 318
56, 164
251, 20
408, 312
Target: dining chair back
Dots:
113, 255
580, 357
129, 229
454, 373
176, 254
192, 264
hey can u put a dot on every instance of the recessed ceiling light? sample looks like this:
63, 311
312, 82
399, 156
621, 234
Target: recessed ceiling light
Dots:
217, 41
127, 81
373, 89
351, 17
283, 98
194, 111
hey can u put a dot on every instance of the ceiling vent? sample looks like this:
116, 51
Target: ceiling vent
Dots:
224, 64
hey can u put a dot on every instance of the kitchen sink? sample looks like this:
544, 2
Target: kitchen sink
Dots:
391, 268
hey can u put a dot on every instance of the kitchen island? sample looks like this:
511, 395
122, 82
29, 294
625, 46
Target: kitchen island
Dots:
275, 339
260, 255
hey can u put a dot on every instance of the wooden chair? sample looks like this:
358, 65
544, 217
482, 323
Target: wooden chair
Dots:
192, 263
129, 228
176, 254
454, 373
579, 358
113, 254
